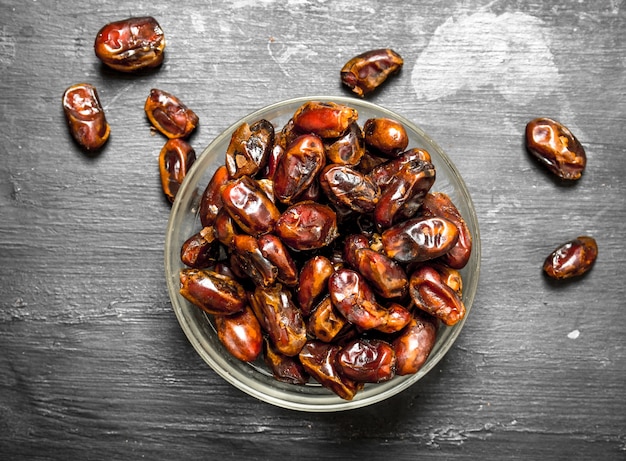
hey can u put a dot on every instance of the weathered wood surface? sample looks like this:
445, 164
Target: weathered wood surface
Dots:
93, 364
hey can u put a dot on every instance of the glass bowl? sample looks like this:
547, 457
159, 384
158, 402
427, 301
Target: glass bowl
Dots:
254, 378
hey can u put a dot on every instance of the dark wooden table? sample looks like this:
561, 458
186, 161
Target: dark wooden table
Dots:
93, 364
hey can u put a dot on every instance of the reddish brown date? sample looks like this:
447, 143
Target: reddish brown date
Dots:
313, 282
298, 167
211, 201
225, 228
175, 160
385, 136
273, 250
212, 292
249, 206
347, 149
367, 71
419, 239
414, 344
200, 250
251, 261
307, 226
384, 274
367, 360
346, 187
440, 204
283, 320
131, 44
169, 115
325, 323
572, 259
85, 116
384, 173
319, 360
284, 368
397, 318
240, 334
325, 119
249, 148
554, 145
431, 295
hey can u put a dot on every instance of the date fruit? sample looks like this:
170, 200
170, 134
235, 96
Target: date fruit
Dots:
412, 347
385, 136
325, 119
419, 239
432, 295
85, 116
212, 292
169, 115
240, 334
249, 148
572, 259
249, 206
175, 160
307, 226
554, 145
367, 71
367, 360
131, 44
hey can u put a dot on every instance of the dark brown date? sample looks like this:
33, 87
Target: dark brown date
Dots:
440, 204
284, 368
200, 250
385, 136
384, 173
431, 295
349, 148
352, 243
251, 261
249, 206
131, 44
346, 187
397, 318
367, 360
419, 239
175, 160
212, 292
319, 360
572, 259
325, 119
169, 115
313, 282
283, 320
298, 167
325, 323
240, 334
450, 277
249, 148
85, 116
414, 344
211, 202
307, 226
384, 274
367, 71
554, 145
273, 250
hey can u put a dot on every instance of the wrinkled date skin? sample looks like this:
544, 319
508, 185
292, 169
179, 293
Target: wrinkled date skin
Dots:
249, 148
251, 261
367, 361
384, 274
554, 145
325, 323
419, 239
211, 202
325, 119
367, 71
131, 44
412, 347
431, 295
319, 360
175, 160
240, 334
273, 250
384, 173
572, 259
385, 136
347, 149
348, 188
249, 206
307, 226
200, 251
298, 167
284, 368
212, 292
313, 282
284, 322
440, 204
85, 116
169, 115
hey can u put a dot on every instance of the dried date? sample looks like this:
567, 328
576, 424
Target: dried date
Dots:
419, 239
307, 226
325, 119
85, 116
572, 259
249, 206
249, 148
433, 296
367, 361
367, 71
169, 115
175, 160
240, 334
212, 292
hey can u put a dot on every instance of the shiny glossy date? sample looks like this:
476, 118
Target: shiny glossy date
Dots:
284, 368
200, 250
419, 239
346, 187
367, 71
325, 119
385, 136
347, 149
414, 344
169, 115
325, 323
572, 259
212, 292
313, 282
554, 145
251, 261
131, 44
384, 274
211, 202
384, 173
307, 226
367, 360
240, 334
85, 116
175, 160
431, 294
273, 249
249, 206
249, 148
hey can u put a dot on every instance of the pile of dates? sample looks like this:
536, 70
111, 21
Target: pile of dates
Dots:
324, 251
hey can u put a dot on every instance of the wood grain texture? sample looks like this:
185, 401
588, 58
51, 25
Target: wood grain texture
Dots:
93, 362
